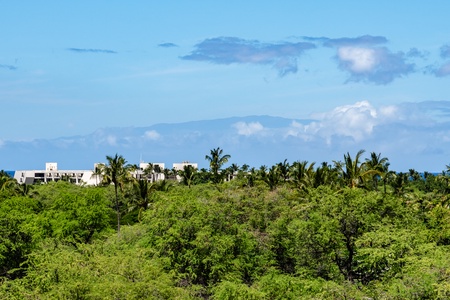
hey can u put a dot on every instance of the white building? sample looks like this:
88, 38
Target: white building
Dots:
180, 166
51, 173
154, 173
90, 177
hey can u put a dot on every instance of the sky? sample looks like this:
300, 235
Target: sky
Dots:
359, 67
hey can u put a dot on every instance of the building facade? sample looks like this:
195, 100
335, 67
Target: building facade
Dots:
150, 171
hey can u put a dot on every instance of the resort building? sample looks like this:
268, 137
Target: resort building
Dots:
180, 166
151, 171
51, 173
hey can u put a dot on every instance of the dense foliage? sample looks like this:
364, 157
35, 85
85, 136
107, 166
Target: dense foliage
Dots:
350, 230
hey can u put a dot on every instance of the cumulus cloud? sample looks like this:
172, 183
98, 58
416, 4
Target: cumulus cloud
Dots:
377, 64
363, 125
414, 123
83, 50
358, 60
356, 121
152, 135
228, 50
366, 60
248, 129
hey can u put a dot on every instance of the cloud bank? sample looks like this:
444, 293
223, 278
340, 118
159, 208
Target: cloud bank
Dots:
411, 135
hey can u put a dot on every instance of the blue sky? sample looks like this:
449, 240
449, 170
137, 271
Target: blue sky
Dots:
71, 68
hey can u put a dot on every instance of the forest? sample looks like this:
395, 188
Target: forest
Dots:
349, 229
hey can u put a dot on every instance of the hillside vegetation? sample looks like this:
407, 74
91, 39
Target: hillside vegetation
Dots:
352, 229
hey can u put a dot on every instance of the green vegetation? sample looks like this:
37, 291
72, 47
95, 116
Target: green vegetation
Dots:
347, 230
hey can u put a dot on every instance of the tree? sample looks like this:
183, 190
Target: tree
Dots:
251, 177
74, 214
143, 191
325, 175
352, 170
116, 171
188, 175
6, 182
272, 177
283, 170
233, 171
149, 172
398, 182
16, 236
216, 160
97, 172
302, 174
380, 167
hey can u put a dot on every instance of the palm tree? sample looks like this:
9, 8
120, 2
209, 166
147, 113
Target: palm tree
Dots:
262, 171
216, 160
233, 171
283, 170
302, 174
399, 182
116, 172
26, 190
163, 185
148, 172
187, 175
352, 170
143, 190
251, 177
6, 181
380, 167
97, 172
272, 177
166, 173
325, 175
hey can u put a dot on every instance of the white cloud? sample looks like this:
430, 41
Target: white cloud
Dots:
295, 129
389, 111
359, 59
111, 140
365, 61
152, 135
1, 143
248, 129
356, 121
